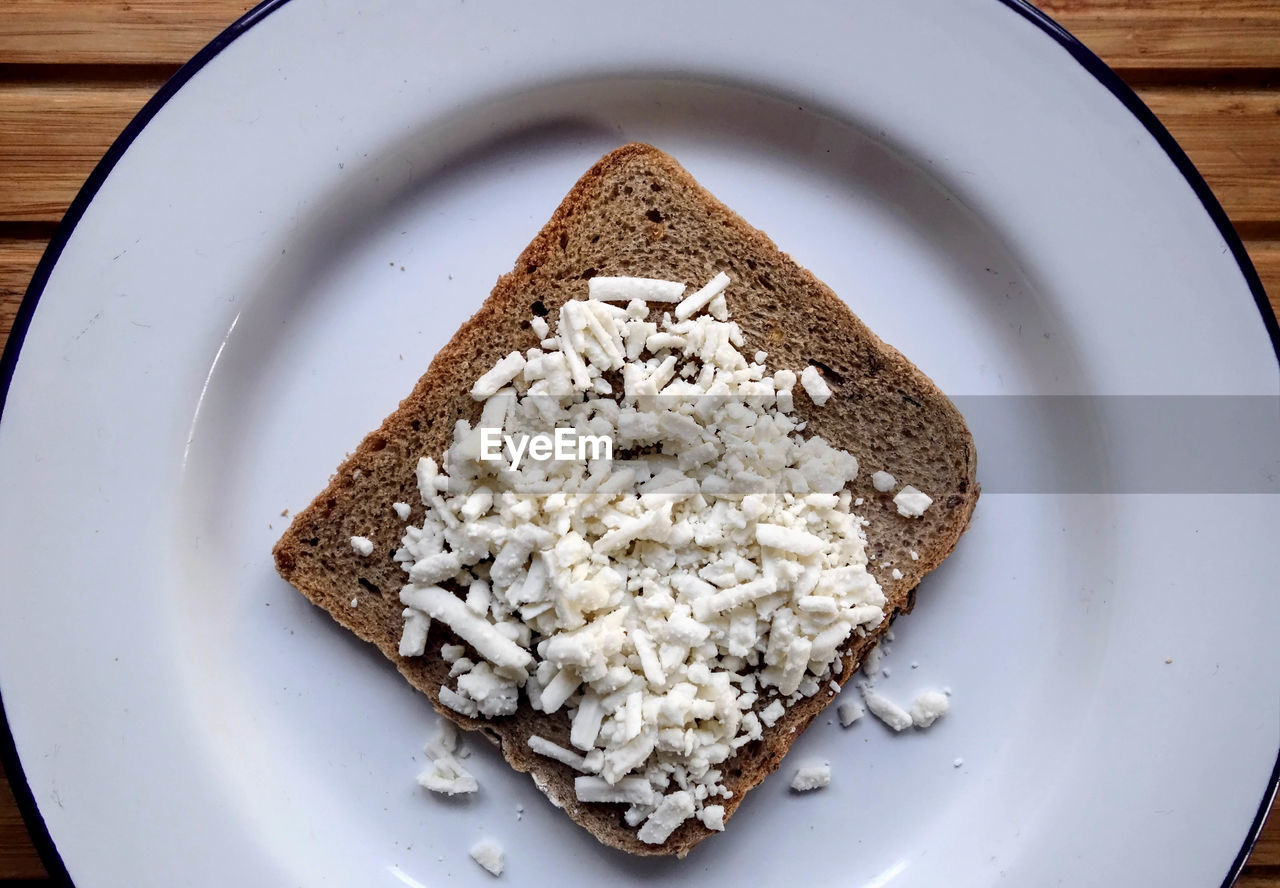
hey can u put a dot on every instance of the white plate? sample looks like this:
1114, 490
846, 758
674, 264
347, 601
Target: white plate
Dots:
270, 257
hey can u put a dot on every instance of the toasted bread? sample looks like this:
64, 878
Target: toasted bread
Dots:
637, 212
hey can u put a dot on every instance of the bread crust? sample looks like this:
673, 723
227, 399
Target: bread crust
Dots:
638, 212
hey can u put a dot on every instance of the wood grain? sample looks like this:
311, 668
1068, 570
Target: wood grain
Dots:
1141, 35
1233, 137
1267, 852
74, 72
52, 135
1265, 255
18, 258
18, 858
1130, 34
77, 32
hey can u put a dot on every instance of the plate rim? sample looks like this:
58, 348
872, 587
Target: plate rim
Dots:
32, 818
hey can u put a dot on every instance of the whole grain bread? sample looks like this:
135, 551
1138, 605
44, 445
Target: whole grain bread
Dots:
638, 212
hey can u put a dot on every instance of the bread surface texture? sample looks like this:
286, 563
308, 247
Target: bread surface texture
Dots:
637, 212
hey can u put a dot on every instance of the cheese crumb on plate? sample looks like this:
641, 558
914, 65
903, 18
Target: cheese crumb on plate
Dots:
488, 854
811, 777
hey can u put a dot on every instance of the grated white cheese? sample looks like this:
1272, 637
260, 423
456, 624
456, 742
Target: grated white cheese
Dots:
849, 713
545, 747
811, 777
672, 604
674, 809
703, 297
475, 630
814, 385
450, 653
712, 817
630, 790
928, 708
912, 503
363, 546
771, 713
446, 775
883, 481
502, 373
625, 289
488, 854
413, 640
402, 510
871, 662
886, 710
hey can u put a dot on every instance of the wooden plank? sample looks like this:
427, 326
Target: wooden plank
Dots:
1254, 877
110, 31
1172, 34
51, 136
1265, 255
18, 858
1267, 851
18, 258
1233, 138
1141, 35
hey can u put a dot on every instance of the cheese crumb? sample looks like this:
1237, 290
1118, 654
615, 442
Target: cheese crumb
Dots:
871, 663
703, 297
816, 387
402, 510
771, 713
912, 503
811, 777
488, 854
886, 710
712, 817
446, 776
450, 653
928, 708
625, 289
362, 545
674, 809
413, 640
502, 373
849, 713
883, 481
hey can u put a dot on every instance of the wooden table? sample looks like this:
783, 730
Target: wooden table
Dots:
73, 72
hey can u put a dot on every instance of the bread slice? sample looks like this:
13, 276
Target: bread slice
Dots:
637, 212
